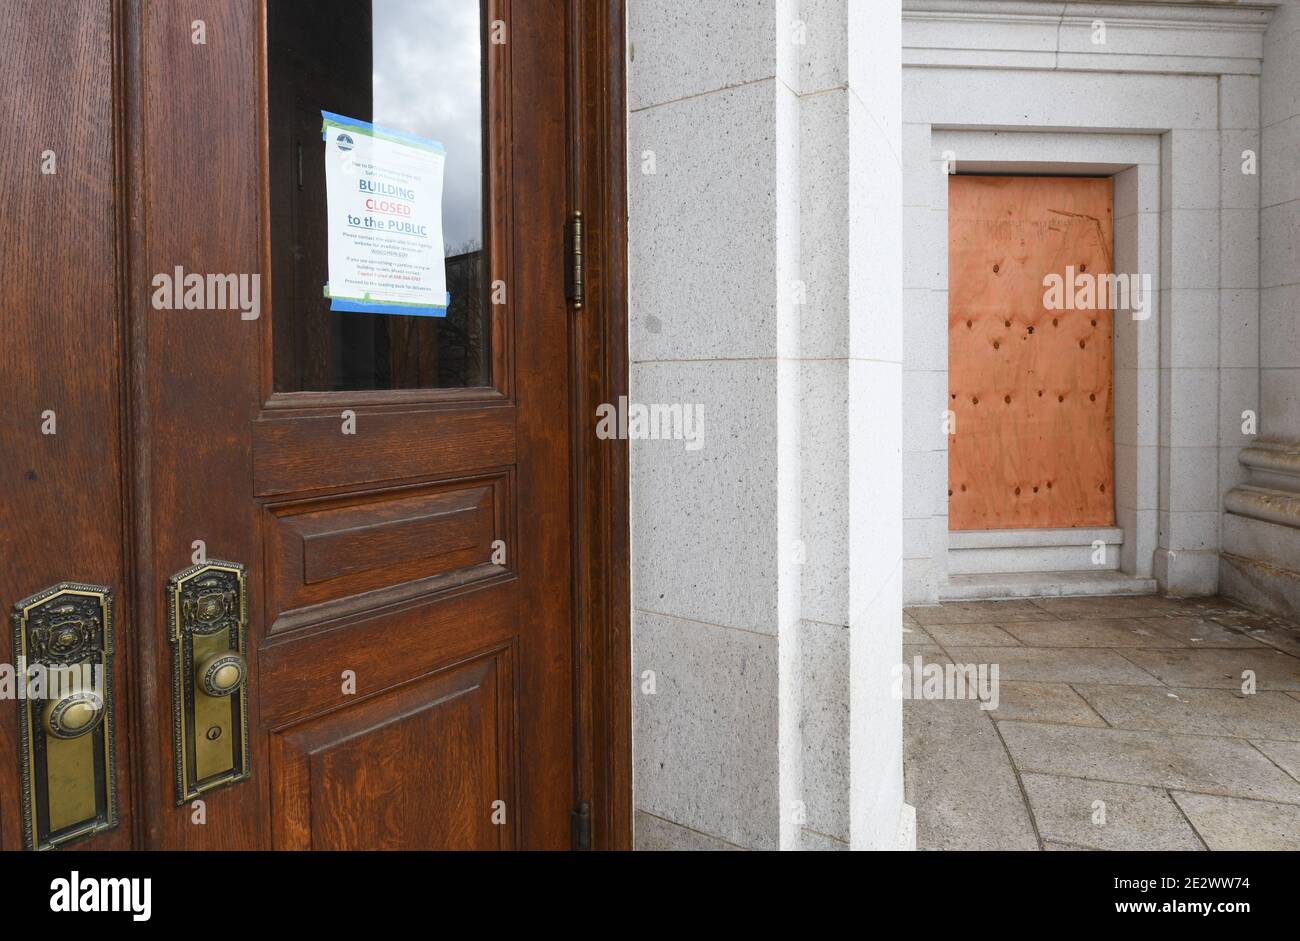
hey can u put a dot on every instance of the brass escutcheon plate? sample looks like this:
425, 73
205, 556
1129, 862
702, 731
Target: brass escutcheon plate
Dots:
207, 626
63, 649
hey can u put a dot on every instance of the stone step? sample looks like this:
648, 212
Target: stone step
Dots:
984, 552
999, 586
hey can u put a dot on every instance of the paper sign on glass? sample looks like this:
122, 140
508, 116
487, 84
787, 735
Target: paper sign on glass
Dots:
384, 205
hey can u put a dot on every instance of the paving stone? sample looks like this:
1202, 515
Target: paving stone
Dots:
1127, 606
976, 612
1228, 823
1276, 632
929, 653
1056, 665
957, 775
1269, 715
1220, 669
1206, 607
1135, 817
1092, 632
913, 633
971, 635
1226, 766
1044, 702
1064, 848
1286, 755
1197, 632
1236, 758
1245, 618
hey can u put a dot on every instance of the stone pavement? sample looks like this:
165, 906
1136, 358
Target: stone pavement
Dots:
1121, 723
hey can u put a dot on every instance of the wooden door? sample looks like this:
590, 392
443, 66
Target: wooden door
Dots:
62, 477
396, 489
1029, 375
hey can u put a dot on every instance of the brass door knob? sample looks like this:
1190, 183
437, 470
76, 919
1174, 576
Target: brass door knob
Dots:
222, 674
74, 715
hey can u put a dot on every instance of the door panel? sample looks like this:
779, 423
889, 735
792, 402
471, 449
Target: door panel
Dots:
403, 542
307, 452
404, 676
1030, 388
61, 429
408, 769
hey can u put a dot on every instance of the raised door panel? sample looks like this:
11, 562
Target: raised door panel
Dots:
426, 766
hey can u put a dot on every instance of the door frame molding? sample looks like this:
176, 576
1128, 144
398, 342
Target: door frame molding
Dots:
602, 561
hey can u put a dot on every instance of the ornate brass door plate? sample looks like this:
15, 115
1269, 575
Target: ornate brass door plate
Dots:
207, 625
63, 648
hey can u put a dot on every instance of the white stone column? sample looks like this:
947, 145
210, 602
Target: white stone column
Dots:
1186, 562
1261, 524
765, 286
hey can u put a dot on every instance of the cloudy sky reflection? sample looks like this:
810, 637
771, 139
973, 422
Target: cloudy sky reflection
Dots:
428, 81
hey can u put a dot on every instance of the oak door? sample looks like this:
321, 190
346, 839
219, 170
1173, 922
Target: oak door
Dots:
394, 487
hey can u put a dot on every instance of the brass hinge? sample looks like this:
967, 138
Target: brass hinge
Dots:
573, 281
582, 827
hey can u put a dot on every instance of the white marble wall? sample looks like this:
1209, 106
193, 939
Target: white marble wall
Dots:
1280, 226
764, 285
1260, 563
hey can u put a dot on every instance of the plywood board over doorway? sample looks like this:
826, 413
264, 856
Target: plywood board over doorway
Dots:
1030, 387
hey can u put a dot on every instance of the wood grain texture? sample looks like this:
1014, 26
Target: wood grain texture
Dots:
417, 768
603, 647
1030, 387
62, 494
196, 162
309, 452
214, 454
426, 538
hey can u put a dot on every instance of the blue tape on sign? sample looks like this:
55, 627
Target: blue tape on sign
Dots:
401, 310
379, 130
